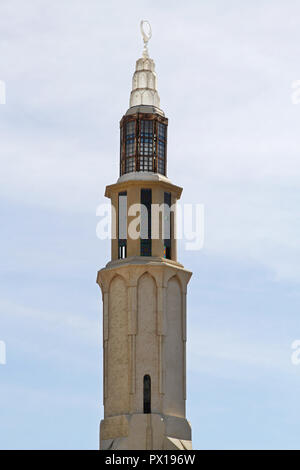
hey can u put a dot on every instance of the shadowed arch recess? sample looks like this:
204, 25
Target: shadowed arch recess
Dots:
117, 353
146, 340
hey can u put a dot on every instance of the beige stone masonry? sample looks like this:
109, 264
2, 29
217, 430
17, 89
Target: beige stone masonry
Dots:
144, 332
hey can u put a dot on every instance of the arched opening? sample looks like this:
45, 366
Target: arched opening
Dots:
147, 394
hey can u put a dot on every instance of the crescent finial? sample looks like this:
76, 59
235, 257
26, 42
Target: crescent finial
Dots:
146, 33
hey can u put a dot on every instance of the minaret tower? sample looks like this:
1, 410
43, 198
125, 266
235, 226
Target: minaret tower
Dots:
143, 286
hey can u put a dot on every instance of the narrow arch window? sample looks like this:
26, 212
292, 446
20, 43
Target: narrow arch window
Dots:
167, 225
147, 394
122, 225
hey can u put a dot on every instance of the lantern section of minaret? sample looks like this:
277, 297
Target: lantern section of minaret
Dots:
143, 286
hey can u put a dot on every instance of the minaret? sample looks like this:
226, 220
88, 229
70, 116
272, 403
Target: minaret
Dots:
143, 286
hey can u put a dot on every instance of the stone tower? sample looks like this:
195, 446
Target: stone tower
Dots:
143, 286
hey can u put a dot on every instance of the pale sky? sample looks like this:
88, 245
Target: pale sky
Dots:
225, 72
